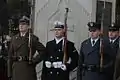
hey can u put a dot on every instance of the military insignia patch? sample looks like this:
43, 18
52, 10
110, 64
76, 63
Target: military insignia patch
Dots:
74, 50
86, 43
91, 24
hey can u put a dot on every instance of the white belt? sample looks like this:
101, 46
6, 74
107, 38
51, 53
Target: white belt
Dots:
57, 64
54, 64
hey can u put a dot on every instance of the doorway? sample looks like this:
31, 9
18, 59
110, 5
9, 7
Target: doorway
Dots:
117, 19
103, 15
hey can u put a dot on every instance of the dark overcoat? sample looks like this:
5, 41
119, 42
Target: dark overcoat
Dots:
55, 53
115, 46
90, 55
3, 69
22, 70
3, 62
114, 50
117, 67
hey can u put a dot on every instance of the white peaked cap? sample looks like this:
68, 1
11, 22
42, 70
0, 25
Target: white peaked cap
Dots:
58, 23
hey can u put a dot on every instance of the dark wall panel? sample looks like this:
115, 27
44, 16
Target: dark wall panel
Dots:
3, 17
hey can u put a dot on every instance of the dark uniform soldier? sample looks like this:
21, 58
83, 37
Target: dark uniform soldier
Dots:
113, 35
89, 61
53, 67
117, 63
19, 65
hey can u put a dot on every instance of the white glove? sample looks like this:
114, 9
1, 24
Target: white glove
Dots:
48, 64
69, 61
59, 64
63, 67
55, 64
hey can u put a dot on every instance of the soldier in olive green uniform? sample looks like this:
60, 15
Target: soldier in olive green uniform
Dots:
19, 67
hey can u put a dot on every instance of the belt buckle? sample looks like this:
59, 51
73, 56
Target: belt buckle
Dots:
20, 58
89, 68
92, 68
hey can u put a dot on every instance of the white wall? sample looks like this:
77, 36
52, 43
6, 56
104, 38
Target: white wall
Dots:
47, 11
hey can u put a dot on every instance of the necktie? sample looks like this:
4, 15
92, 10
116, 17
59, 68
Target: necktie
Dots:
93, 42
111, 42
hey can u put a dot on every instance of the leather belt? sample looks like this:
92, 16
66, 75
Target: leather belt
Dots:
91, 67
20, 58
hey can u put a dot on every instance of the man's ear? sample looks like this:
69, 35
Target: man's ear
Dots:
64, 30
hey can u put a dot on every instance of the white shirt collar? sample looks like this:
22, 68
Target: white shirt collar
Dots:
113, 40
58, 40
23, 34
94, 40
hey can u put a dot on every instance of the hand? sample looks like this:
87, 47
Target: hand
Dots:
59, 64
63, 67
48, 64
55, 65
69, 60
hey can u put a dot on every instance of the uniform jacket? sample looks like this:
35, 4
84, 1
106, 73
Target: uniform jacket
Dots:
22, 70
55, 53
114, 49
90, 55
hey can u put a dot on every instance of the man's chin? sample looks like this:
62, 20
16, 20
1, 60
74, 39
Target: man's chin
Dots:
22, 31
58, 36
